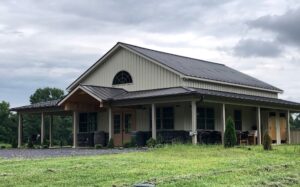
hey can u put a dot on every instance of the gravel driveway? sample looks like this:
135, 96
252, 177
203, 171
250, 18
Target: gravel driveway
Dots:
37, 153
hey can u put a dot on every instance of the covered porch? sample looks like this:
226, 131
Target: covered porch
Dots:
177, 114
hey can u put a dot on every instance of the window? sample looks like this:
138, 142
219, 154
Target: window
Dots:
123, 77
117, 124
88, 122
205, 118
164, 118
238, 119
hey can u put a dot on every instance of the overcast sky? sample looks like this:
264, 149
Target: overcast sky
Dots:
50, 43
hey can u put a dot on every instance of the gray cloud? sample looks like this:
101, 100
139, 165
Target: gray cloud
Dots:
257, 48
286, 26
50, 43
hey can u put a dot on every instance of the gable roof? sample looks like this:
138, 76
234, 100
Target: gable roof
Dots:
189, 68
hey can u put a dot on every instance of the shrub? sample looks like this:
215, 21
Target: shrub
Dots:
14, 144
98, 146
133, 142
267, 142
127, 145
151, 143
111, 143
230, 134
2, 147
30, 144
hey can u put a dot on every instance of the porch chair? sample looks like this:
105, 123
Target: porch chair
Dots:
244, 138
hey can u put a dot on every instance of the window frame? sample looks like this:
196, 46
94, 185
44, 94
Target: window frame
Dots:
119, 78
205, 118
161, 118
238, 121
89, 124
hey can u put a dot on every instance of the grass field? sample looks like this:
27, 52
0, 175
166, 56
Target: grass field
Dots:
176, 165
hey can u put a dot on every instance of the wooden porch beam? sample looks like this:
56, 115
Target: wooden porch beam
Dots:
75, 125
288, 128
110, 131
223, 122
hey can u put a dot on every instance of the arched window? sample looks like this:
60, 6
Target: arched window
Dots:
122, 77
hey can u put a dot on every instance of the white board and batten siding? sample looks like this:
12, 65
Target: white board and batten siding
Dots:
148, 75
145, 75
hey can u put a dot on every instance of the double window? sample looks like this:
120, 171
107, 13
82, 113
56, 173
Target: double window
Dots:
164, 118
205, 118
88, 122
238, 119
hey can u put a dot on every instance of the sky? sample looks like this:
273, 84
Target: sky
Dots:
50, 43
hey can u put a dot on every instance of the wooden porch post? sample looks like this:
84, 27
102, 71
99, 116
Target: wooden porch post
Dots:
194, 122
110, 123
20, 130
153, 116
75, 125
288, 127
50, 130
258, 126
223, 122
42, 128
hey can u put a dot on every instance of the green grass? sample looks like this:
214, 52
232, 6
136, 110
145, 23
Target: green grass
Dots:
177, 165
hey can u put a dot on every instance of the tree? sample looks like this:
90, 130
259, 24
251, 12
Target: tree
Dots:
230, 134
46, 94
8, 124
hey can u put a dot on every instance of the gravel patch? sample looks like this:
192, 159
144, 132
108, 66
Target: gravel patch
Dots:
44, 153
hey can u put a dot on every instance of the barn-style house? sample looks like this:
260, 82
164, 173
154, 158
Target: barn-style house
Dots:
135, 92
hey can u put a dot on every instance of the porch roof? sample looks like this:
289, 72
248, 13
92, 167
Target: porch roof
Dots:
39, 106
106, 94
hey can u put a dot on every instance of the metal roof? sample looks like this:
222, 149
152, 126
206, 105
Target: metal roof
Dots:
40, 105
201, 69
103, 93
118, 94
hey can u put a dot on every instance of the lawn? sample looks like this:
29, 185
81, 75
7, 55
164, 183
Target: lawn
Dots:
176, 165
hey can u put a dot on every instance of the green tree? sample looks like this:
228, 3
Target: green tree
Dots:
8, 124
46, 94
230, 134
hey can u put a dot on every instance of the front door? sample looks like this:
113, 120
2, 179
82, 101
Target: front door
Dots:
124, 124
272, 126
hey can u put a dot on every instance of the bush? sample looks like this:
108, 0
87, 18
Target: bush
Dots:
2, 147
267, 142
127, 145
230, 134
98, 146
14, 144
133, 142
30, 145
111, 143
151, 143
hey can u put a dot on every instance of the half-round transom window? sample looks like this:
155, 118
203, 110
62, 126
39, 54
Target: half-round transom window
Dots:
122, 77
